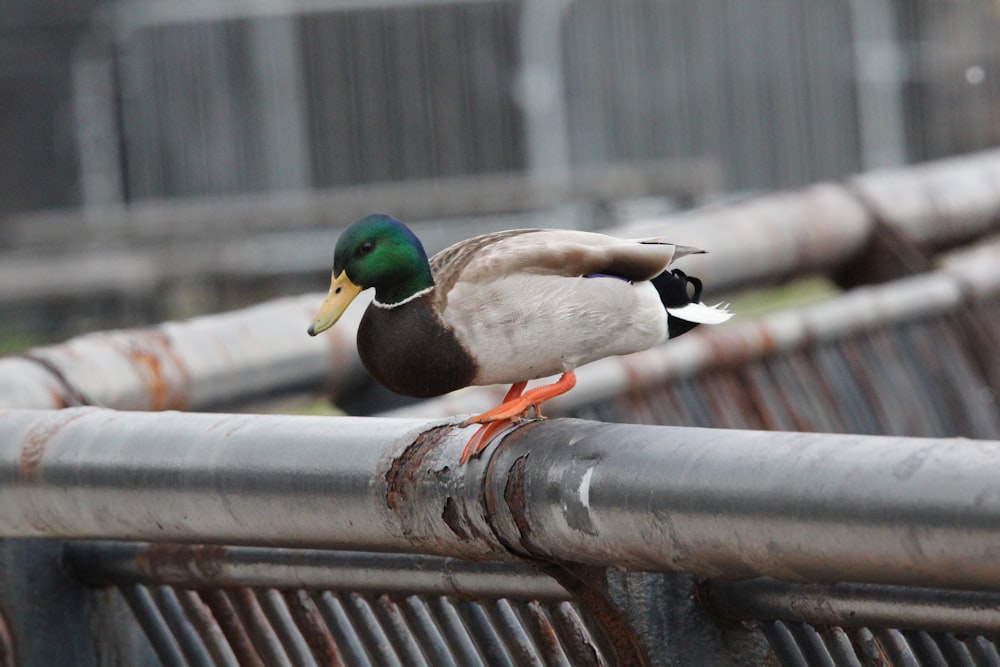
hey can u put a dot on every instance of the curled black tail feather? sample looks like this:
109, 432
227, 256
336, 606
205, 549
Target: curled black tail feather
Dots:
672, 287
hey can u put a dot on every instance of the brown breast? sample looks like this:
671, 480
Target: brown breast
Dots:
410, 350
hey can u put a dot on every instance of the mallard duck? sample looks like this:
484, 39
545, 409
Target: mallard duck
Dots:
505, 308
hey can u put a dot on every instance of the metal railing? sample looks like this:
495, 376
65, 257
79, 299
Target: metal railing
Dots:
794, 506
200, 364
578, 499
361, 541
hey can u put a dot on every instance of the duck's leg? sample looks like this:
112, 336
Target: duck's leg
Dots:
514, 404
487, 429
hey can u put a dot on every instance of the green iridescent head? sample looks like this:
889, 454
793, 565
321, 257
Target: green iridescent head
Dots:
376, 251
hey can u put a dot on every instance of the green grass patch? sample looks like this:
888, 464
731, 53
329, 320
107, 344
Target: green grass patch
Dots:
760, 301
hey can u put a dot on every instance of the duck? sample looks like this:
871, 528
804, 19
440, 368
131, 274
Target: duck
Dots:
505, 308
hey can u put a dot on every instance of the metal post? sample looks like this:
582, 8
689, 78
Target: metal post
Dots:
881, 69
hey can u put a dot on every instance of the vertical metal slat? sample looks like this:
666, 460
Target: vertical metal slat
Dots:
399, 632
491, 644
229, 621
163, 642
278, 614
431, 636
519, 642
581, 644
545, 634
367, 622
190, 642
310, 623
204, 621
340, 624
458, 633
897, 648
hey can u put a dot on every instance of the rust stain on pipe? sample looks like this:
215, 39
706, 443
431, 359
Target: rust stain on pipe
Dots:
453, 517
402, 476
168, 561
160, 368
514, 497
38, 438
65, 394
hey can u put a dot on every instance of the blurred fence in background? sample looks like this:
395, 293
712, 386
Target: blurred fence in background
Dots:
195, 149
230, 98
127, 101
344, 93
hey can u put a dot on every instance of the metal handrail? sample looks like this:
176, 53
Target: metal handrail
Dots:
714, 503
199, 364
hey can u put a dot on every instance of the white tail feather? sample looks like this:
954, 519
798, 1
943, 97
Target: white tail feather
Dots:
702, 314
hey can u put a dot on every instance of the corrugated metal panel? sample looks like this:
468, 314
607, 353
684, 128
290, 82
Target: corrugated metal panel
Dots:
264, 625
267, 626
951, 89
802, 644
213, 605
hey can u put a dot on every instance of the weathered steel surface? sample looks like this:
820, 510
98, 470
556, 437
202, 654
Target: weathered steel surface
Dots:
736, 504
202, 363
767, 238
938, 204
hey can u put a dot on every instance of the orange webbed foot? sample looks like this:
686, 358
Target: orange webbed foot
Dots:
514, 406
488, 426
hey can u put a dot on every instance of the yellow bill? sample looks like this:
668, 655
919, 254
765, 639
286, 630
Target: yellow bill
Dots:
342, 293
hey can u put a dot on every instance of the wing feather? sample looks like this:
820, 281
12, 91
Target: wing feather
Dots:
553, 252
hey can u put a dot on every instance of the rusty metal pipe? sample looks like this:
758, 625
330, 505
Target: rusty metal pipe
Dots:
856, 605
715, 503
234, 479
741, 504
212, 566
202, 363
814, 229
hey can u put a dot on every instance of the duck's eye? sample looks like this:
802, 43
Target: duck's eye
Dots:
366, 248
